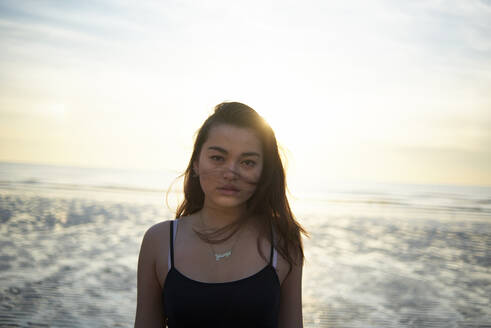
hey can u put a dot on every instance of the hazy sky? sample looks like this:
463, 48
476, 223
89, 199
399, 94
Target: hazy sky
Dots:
394, 91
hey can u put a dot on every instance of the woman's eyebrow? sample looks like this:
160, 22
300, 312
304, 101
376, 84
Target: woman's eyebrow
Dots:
219, 149
223, 151
251, 153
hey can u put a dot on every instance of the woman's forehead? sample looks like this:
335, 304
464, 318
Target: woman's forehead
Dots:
233, 138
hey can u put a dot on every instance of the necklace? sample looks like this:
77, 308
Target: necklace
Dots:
219, 256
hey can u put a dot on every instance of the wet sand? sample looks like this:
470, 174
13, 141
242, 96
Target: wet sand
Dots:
68, 259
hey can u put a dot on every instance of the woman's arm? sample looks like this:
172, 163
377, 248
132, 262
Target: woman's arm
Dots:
149, 311
291, 299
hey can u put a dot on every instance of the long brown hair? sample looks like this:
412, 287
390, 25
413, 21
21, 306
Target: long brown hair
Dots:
269, 201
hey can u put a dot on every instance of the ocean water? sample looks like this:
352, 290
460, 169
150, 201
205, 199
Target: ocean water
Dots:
379, 255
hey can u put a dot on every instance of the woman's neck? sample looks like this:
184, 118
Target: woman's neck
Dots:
216, 218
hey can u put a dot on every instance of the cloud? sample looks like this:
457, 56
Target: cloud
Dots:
457, 32
396, 72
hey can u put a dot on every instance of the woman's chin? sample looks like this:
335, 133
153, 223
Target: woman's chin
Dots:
228, 202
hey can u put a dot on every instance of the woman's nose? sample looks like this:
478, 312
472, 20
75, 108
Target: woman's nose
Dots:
231, 172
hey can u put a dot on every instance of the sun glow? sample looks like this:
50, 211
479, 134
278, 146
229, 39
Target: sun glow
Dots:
349, 92
57, 110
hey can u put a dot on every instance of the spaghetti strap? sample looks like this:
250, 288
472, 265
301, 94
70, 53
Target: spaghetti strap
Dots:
273, 256
172, 238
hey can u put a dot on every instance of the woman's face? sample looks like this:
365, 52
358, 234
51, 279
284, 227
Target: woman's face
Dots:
229, 165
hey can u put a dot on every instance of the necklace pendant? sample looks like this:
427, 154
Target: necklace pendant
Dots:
222, 255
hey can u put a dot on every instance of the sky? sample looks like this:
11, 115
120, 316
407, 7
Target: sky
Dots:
388, 91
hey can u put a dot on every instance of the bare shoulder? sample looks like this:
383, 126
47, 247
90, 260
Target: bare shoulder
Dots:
285, 268
158, 228
157, 234
155, 245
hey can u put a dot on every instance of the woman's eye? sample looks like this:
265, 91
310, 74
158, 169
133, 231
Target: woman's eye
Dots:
216, 158
249, 162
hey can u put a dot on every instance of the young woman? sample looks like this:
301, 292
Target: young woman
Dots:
233, 256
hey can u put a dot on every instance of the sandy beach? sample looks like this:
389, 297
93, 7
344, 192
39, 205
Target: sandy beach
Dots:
390, 257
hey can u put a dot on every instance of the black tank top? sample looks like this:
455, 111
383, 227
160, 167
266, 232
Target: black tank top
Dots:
253, 301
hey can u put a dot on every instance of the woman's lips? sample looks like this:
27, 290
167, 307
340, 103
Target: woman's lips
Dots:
228, 190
